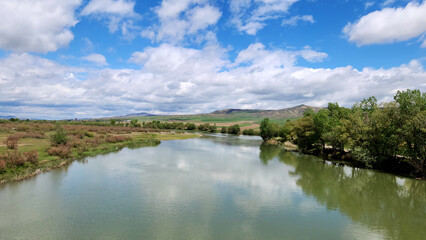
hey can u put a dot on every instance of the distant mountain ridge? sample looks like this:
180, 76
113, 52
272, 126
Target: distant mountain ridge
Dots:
232, 114
132, 115
296, 111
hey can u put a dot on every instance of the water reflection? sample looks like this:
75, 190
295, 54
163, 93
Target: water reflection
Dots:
374, 199
215, 187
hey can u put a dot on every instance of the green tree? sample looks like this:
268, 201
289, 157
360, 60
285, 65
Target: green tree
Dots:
234, 129
268, 129
190, 126
306, 135
412, 124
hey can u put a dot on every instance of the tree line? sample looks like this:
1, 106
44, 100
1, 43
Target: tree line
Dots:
384, 136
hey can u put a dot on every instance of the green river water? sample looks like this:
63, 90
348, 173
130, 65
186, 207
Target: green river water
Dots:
214, 187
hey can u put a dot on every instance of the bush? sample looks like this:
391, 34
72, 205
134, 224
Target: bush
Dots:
190, 126
2, 165
234, 129
32, 157
15, 158
89, 134
213, 128
115, 139
60, 137
204, 127
12, 141
224, 130
249, 132
61, 151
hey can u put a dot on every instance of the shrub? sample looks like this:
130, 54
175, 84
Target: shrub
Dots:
89, 134
190, 126
115, 139
249, 132
2, 165
204, 127
12, 141
62, 151
213, 128
15, 158
32, 157
234, 129
224, 130
60, 137
38, 135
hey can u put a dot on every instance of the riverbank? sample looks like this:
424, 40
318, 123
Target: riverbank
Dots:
27, 149
402, 168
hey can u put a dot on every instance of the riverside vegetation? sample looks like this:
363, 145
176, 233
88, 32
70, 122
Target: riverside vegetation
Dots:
390, 136
28, 147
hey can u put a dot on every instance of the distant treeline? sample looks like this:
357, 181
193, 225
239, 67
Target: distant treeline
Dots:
157, 125
382, 136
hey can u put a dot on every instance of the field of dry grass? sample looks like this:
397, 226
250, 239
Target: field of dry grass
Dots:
28, 148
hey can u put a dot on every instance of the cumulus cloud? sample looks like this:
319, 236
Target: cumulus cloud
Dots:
295, 19
174, 79
388, 25
119, 14
250, 16
36, 26
181, 18
96, 58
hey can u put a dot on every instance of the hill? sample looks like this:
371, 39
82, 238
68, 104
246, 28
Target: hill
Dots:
247, 118
293, 112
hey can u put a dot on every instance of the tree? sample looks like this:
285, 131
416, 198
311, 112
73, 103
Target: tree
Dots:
412, 124
213, 128
306, 134
268, 129
190, 126
224, 130
234, 129
322, 126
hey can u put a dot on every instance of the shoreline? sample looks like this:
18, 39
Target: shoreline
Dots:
346, 161
138, 140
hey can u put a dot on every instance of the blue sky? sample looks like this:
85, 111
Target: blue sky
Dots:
81, 58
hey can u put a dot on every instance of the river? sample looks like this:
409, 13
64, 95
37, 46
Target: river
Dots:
213, 187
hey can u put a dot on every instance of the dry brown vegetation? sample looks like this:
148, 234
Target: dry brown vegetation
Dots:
28, 148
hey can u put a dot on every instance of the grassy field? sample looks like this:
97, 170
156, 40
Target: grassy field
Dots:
211, 118
244, 120
27, 149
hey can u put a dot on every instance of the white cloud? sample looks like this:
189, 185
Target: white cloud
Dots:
118, 7
250, 16
387, 3
260, 57
96, 58
369, 4
175, 79
181, 18
389, 25
36, 26
295, 19
202, 17
118, 13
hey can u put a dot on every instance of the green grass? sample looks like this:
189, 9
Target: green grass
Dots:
229, 118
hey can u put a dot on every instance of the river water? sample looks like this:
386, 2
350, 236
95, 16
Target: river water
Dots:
214, 187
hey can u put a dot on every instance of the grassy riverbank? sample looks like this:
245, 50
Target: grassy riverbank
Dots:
27, 149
